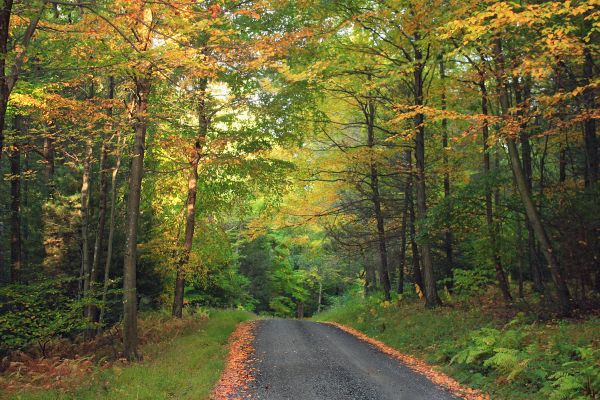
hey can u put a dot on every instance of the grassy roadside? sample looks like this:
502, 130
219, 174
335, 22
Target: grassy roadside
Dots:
509, 357
184, 367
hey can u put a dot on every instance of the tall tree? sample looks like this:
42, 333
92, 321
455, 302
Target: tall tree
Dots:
190, 204
526, 197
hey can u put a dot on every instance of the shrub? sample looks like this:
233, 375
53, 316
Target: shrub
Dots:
37, 312
473, 281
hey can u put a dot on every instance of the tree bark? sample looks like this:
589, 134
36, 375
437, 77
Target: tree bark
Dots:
429, 288
190, 219
530, 209
130, 338
489, 211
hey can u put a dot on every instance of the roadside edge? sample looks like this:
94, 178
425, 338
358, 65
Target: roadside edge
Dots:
237, 374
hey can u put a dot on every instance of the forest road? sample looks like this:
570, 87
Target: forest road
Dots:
304, 360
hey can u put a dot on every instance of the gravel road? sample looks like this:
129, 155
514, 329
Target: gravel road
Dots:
304, 360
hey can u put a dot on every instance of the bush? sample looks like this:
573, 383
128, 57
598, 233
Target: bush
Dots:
37, 312
474, 281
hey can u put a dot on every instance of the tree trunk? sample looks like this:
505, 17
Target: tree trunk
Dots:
429, 288
535, 266
15, 204
416, 265
369, 273
539, 230
448, 229
589, 125
530, 209
384, 277
402, 258
102, 204
300, 310
48, 154
5, 13
130, 338
190, 219
320, 299
84, 215
190, 222
8, 79
111, 231
489, 212
520, 254
562, 164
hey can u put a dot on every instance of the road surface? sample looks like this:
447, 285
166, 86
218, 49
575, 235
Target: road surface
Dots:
304, 360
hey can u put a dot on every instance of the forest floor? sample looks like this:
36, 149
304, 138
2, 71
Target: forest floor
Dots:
502, 351
181, 363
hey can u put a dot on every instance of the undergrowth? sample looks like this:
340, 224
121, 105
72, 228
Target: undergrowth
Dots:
183, 359
514, 357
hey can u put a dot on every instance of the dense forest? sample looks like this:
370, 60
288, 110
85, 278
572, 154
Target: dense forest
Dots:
275, 156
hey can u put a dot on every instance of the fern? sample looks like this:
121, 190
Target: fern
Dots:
481, 344
510, 363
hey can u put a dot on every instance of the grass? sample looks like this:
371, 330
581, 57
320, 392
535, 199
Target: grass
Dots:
184, 367
509, 357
